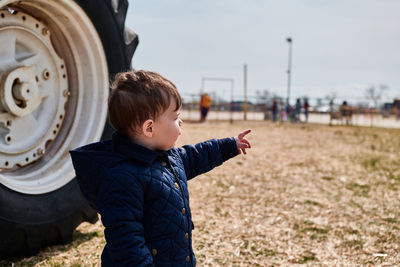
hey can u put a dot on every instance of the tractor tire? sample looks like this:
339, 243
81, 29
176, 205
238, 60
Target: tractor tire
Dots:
64, 54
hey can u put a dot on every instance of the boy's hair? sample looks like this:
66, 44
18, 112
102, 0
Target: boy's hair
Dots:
137, 96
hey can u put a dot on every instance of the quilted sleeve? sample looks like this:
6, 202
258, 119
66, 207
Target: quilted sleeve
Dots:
121, 208
204, 156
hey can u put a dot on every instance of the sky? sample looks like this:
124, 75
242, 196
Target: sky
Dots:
339, 47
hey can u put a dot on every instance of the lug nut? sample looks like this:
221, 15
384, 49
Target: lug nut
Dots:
66, 93
45, 31
40, 152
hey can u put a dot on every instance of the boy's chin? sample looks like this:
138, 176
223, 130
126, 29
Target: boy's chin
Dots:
165, 148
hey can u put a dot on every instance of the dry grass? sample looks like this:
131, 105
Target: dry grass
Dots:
305, 194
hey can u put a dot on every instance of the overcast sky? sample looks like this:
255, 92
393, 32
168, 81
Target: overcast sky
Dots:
341, 46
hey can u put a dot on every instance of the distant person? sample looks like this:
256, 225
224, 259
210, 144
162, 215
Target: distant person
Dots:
205, 104
282, 113
291, 114
275, 110
138, 180
331, 112
397, 113
288, 109
345, 113
297, 110
306, 106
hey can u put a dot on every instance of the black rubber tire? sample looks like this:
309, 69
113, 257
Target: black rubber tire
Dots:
111, 24
30, 222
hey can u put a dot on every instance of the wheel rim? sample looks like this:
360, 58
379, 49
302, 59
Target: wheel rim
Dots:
53, 91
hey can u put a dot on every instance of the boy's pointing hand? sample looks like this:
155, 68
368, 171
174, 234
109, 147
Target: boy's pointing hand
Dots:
242, 143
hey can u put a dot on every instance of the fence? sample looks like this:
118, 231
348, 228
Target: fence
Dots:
333, 115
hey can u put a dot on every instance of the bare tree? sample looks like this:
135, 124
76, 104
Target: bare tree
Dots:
263, 96
375, 93
331, 96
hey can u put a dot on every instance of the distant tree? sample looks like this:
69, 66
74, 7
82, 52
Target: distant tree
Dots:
331, 97
374, 94
262, 96
215, 98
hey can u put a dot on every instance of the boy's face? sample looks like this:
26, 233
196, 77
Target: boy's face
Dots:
167, 128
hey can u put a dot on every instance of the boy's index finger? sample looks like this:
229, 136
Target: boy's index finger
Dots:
243, 134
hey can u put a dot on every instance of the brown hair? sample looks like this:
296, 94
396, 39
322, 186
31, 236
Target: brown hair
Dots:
137, 96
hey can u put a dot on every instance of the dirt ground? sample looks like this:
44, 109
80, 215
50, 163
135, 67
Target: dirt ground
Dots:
304, 194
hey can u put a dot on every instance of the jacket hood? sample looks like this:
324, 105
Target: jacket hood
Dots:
89, 164
92, 163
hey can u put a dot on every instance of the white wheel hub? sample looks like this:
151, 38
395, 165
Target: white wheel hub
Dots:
30, 62
19, 92
53, 91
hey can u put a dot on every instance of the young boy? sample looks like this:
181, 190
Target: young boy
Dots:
138, 181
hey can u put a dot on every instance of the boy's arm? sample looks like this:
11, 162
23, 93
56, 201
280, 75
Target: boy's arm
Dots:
121, 209
204, 156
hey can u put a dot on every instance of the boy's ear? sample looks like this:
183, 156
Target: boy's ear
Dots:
147, 128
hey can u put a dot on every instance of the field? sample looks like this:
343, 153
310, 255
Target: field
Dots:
304, 194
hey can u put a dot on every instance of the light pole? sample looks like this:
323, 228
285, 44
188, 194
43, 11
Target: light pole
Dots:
289, 71
245, 92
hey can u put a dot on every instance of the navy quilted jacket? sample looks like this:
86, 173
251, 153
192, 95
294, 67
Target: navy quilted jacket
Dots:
142, 196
